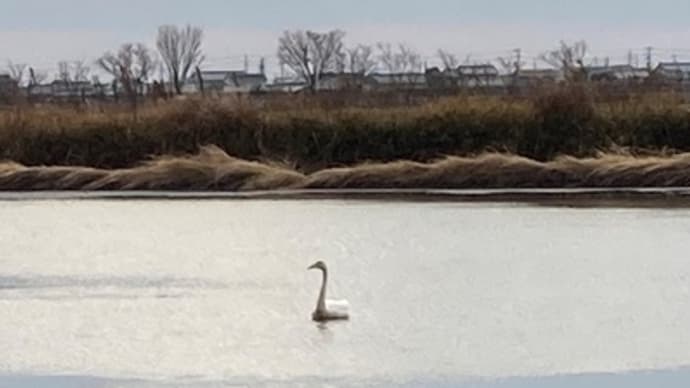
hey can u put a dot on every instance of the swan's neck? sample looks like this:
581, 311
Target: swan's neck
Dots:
321, 303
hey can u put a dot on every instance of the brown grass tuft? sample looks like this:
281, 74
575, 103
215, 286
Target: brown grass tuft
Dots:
214, 170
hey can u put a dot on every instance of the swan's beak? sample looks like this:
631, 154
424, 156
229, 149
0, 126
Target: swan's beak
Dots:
311, 267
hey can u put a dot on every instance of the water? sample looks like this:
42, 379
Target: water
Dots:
215, 293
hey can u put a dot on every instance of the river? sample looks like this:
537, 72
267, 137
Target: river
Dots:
216, 293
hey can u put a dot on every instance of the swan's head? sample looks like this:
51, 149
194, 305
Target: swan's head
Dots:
318, 265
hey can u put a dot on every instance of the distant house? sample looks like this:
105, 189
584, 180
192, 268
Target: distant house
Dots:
478, 75
397, 81
544, 74
60, 90
535, 77
485, 75
672, 71
241, 82
345, 81
212, 81
117, 89
640, 73
225, 81
287, 85
615, 73
68, 89
442, 79
8, 86
468, 76
41, 90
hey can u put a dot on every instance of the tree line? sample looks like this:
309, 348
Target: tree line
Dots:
307, 54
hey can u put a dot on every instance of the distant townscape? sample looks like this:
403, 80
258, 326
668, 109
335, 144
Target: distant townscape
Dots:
314, 62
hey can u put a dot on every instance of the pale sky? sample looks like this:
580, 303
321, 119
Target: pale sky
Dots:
42, 32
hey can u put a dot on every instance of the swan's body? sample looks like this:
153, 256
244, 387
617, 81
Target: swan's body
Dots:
328, 309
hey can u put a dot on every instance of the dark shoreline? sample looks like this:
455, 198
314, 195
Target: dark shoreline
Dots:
579, 197
666, 378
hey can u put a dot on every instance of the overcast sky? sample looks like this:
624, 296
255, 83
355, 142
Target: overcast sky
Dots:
41, 32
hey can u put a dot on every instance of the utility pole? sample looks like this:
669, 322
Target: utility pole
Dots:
518, 60
630, 57
246, 63
262, 66
648, 56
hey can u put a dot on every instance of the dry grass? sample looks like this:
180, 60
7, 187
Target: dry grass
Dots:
213, 169
311, 133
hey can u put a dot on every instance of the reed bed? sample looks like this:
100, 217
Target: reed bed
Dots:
565, 136
313, 133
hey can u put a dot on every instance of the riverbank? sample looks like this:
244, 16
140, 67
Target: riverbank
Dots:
312, 133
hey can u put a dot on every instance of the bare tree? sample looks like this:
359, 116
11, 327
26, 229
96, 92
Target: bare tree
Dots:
75, 71
506, 64
387, 56
131, 66
340, 60
64, 74
403, 60
180, 51
450, 61
361, 59
16, 71
511, 64
310, 54
568, 58
36, 77
80, 71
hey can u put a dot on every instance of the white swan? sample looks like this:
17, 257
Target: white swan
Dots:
326, 309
